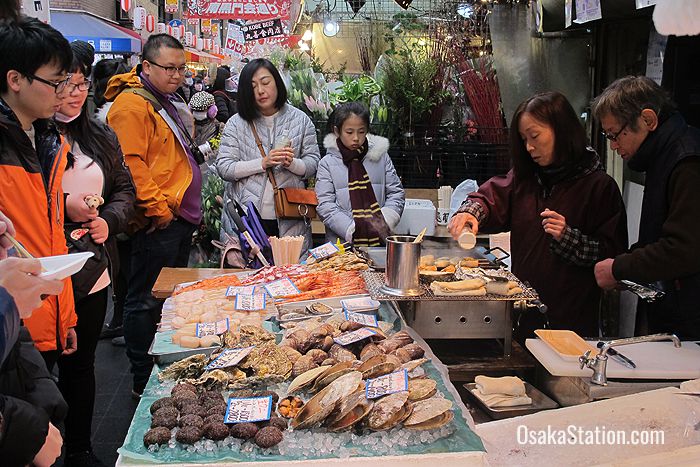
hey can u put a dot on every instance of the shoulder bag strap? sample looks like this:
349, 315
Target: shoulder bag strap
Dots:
147, 95
270, 175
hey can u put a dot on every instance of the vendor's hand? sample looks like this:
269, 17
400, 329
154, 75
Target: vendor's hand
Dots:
71, 342
19, 276
99, 230
604, 275
553, 223
5, 226
461, 220
77, 210
51, 450
279, 156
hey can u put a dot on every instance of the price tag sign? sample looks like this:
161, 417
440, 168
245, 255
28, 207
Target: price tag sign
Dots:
255, 302
234, 290
387, 384
367, 320
229, 357
354, 336
324, 251
281, 288
359, 304
249, 409
212, 329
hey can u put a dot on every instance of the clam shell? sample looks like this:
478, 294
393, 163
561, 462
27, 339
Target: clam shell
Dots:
369, 351
302, 365
352, 416
433, 423
305, 379
399, 417
413, 364
340, 353
427, 409
331, 374
386, 409
317, 355
419, 389
377, 366
323, 403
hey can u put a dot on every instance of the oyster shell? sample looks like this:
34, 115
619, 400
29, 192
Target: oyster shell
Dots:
268, 360
388, 411
218, 379
427, 409
305, 379
419, 389
190, 367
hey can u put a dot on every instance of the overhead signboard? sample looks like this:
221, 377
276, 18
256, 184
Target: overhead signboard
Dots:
249, 10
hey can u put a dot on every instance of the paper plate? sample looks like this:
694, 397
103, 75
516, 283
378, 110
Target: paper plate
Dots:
60, 267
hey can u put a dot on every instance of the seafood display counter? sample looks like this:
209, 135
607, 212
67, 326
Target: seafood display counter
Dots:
338, 388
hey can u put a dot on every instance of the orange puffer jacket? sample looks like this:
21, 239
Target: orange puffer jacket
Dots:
33, 199
159, 165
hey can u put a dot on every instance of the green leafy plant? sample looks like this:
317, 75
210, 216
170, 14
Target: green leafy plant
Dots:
360, 89
212, 204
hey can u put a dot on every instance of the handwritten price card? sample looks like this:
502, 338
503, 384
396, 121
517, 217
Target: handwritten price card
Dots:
229, 357
250, 302
234, 290
387, 384
249, 409
281, 288
367, 320
354, 336
324, 251
212, 329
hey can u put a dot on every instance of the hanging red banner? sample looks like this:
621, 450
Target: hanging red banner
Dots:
255, 10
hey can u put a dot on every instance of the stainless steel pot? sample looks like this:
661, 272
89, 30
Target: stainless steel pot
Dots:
402, 260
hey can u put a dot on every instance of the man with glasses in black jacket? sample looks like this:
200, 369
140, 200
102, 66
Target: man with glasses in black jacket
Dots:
642, 125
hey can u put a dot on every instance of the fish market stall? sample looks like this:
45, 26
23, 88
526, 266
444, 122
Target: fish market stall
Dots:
295, 364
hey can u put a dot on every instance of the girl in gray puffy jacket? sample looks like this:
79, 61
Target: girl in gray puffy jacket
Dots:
360, 196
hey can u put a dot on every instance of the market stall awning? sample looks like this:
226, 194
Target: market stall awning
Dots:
199, 56
84, 26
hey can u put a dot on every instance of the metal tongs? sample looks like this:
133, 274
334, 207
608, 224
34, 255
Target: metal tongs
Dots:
648, 293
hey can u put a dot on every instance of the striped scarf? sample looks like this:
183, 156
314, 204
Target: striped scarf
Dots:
370, 227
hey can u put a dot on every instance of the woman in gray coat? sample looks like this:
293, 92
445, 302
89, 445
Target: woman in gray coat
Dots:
365, 214
288, 140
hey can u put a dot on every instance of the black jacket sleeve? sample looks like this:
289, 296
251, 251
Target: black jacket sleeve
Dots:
24, 431
222, 103
119, 201
677, 252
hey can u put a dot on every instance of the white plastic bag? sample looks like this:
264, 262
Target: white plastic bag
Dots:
460, 194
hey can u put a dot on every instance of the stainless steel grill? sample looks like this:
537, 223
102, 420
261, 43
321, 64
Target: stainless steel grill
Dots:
458, 317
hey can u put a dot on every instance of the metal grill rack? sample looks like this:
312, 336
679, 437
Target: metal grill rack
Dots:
375, 280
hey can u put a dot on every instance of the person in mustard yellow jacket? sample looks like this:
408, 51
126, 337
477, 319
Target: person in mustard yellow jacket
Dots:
154, 127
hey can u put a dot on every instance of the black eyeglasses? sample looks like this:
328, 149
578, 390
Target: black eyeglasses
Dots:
613, 136
59, 86
82, 87
171, 70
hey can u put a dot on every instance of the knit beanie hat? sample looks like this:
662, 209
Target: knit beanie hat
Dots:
84, 53
200, 104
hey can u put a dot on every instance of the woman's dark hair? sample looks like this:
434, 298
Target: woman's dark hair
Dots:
554, 110
101, 74
247, 108
344, 111
92, 136
222, 75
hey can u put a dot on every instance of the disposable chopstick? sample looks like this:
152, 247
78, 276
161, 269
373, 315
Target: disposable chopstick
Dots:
18, 246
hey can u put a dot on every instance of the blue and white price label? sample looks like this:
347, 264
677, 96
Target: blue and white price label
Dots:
367, 320
234, 290
212, 329
229, 357
324, 251
354, 336
387, 384
281, 288
249, 409
255, 302
359, 304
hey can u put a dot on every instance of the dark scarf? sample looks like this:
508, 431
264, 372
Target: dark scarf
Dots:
554, 174
370, 227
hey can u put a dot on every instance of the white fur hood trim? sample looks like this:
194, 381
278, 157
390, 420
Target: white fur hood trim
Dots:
378, 146
102, 112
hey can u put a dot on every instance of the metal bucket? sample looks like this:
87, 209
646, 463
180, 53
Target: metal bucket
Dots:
402, 260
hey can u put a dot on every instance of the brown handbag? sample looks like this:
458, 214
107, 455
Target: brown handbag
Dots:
290, 203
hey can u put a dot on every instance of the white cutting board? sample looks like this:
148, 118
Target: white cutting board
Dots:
654, 360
